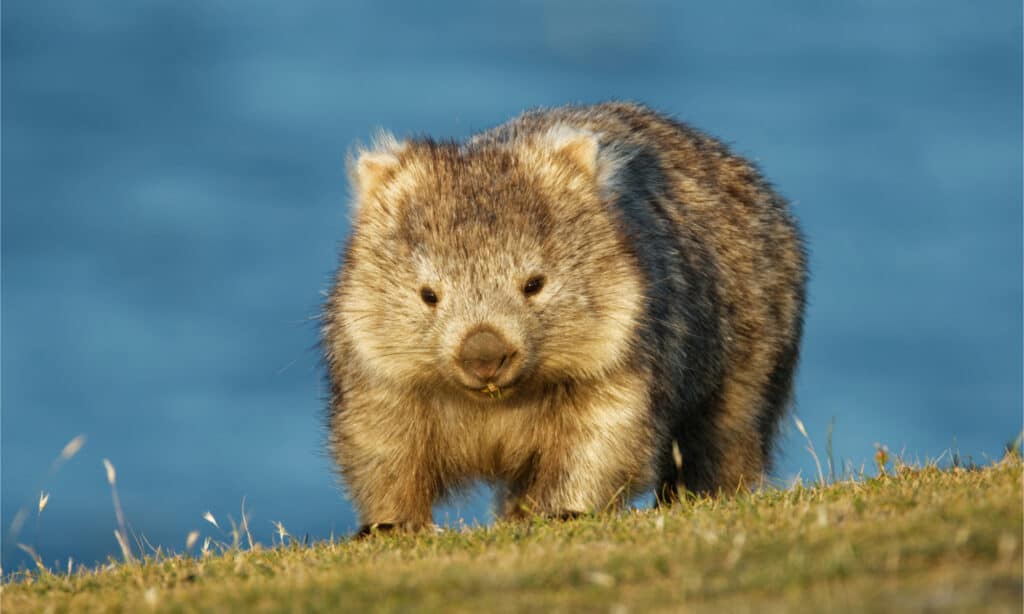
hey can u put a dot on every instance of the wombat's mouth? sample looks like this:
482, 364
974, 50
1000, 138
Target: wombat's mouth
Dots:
491, 392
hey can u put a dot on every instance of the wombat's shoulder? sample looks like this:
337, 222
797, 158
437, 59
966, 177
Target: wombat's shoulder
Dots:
616, 123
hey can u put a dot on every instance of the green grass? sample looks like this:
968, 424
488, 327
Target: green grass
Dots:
918, 539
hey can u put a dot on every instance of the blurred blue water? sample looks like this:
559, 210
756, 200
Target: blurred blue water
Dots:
174, 198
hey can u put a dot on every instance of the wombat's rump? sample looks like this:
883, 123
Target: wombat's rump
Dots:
554, 306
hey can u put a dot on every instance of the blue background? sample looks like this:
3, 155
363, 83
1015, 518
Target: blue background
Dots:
174, 199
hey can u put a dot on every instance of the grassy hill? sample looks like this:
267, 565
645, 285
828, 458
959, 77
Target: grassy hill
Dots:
914, 540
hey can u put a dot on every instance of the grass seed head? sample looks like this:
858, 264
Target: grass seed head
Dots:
19, 521
32, 553
125, 548
881, 457
800, 426
72, 447
111, 472
677, 456
190, 541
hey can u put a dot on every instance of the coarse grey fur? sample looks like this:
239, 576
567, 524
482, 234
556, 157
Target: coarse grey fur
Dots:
658, 352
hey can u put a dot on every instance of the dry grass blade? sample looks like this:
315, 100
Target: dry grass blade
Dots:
282, 533
44, 498
112, 480
236, 536
810, 448
800, 426
35, 557
72, 447
677, 459
245, 526
18, 521
856, 545
121, 533
123, 543
881, 457
190, 541
208, 517
111, 472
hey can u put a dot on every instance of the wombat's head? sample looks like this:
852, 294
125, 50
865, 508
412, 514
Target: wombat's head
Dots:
486, 268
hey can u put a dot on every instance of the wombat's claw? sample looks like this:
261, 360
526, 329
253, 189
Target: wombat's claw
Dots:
368, 530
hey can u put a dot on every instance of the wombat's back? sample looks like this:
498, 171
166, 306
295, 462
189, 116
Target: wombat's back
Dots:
725, 281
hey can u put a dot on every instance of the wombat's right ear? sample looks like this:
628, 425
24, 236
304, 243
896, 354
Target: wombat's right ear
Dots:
370, 168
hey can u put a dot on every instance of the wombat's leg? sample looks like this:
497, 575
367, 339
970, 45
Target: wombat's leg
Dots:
389, 491
555, 490
741, 458
384, 450
389, 500
597, 458
754, 396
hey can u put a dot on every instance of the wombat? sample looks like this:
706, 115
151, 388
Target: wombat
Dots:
578, 306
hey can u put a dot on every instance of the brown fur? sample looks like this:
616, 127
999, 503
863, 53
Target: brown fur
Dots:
591, 406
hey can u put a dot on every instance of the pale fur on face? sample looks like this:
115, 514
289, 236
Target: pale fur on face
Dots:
467, 224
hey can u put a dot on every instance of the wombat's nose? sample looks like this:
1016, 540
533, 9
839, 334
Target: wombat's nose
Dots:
483, 355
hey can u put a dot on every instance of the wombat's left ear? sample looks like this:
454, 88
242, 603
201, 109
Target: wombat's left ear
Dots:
370, 168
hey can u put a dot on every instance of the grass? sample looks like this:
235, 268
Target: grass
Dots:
915, 539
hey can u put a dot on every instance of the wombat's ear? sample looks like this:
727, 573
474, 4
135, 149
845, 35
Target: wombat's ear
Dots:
369, 168
580, 146
583, 148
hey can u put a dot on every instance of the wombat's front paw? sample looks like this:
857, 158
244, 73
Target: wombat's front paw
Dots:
378, 527
369, 530
524, 512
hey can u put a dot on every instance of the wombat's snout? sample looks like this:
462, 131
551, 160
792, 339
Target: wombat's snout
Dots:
486, 357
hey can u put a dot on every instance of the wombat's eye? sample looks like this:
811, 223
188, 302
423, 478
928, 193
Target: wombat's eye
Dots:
428, 296
533, 285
